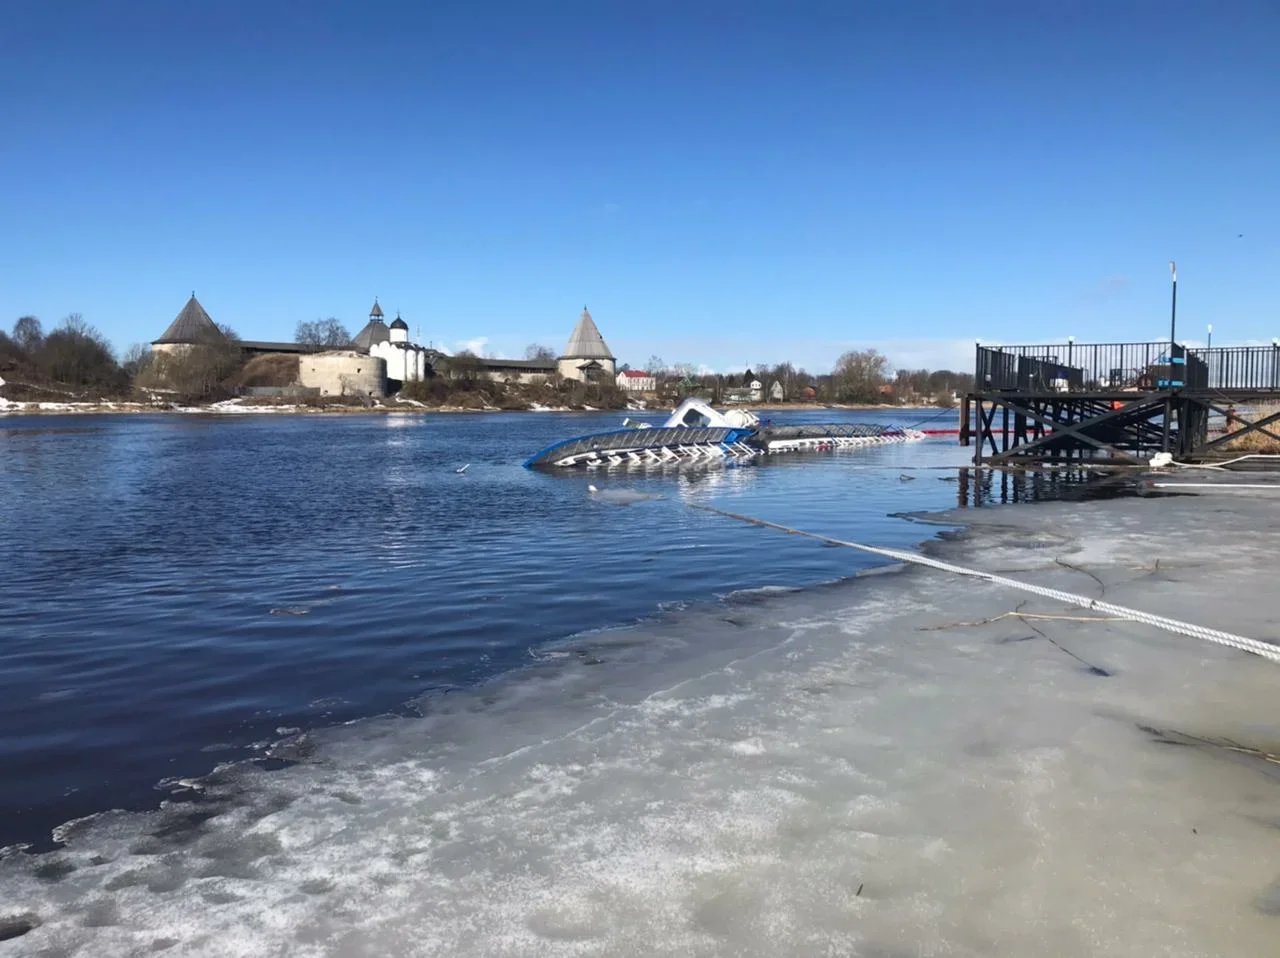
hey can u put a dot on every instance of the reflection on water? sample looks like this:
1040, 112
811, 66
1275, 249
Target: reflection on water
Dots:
987, 486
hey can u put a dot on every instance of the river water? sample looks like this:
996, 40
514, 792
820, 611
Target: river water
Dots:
183, 591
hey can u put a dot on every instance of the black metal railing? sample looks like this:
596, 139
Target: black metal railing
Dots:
1126, 367
1241, 367
1078, 367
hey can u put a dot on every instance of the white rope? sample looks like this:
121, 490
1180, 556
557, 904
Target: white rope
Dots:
1274, 486
1243, 643
1224, 463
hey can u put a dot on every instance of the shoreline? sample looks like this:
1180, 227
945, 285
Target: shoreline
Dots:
987, 783
224, 409
234, 407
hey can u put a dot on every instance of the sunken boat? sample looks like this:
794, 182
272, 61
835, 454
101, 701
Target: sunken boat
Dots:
695, 432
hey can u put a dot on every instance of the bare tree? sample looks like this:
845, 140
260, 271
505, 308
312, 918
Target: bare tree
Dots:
859, 374
655, 365
75, 324
11, 354
544, 354
28, 334
229, 333
136, 358
326, 333
464, 366
77, 354
784, 374
196, 372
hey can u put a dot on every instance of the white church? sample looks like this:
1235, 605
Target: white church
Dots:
406, 362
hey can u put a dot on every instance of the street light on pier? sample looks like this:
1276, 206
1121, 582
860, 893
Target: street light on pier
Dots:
1173, 309
1209, 345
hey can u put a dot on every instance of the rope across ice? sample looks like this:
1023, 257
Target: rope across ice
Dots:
1216, 636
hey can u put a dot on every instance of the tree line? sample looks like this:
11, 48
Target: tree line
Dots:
857, 376
73, 353
74, 357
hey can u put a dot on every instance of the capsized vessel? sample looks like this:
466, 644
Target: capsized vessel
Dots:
695, 432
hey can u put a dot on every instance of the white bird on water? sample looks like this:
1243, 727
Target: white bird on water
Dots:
462, 470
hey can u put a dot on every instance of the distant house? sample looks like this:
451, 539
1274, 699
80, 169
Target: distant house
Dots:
637, 381
777, 393
753, 391
809, 394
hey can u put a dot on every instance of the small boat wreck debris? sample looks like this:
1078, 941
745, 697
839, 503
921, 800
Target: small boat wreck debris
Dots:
697, 433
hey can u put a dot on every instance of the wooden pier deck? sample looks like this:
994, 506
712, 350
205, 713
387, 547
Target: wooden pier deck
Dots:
1116, 402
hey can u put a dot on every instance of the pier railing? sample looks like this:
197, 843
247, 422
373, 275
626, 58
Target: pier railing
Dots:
1253, 368
1076, 367
1125, 367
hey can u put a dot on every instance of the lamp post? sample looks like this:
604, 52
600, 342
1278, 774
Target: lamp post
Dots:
1173, 343
1209, 345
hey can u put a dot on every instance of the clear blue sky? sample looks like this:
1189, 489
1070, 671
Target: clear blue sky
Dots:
722, 182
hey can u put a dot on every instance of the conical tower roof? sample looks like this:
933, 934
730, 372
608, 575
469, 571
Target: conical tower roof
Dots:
586, 341
375, 331
192, 326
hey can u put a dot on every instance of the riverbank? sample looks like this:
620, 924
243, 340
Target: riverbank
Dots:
381, 406
242, 408
436, 395
904, 763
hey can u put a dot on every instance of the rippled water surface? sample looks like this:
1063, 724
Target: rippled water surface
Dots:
179, 591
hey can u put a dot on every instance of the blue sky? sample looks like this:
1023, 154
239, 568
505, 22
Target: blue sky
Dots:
722, 182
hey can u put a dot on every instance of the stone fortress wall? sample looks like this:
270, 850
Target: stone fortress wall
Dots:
344, 373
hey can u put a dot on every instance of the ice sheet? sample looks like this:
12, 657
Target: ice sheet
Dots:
843, 771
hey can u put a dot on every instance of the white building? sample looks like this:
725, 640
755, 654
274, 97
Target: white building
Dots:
587, 358
406, 362
750, 391
637, 381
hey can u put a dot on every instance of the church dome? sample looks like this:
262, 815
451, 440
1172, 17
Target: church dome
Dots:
399, 323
